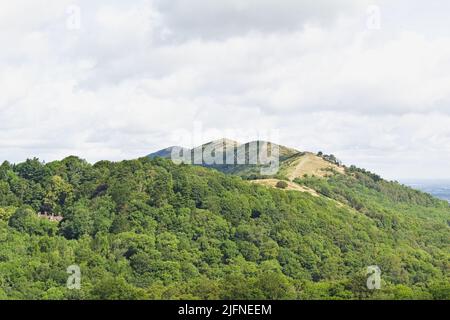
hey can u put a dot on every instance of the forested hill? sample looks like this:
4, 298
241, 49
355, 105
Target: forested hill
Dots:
150, 229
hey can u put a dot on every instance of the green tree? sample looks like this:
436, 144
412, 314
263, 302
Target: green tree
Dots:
77, 221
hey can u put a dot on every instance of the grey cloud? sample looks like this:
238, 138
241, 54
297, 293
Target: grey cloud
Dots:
220, 19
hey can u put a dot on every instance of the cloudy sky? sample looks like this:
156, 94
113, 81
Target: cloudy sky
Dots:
366, 80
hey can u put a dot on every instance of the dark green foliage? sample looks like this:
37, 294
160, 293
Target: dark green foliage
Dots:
149, 229
26, 221
282, 184
32, 170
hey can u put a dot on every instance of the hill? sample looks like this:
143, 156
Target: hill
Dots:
151, 229
308, 164
166, 153
247, 159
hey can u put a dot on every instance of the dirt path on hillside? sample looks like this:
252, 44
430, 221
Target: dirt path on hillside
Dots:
297, 172
311, 164
291, 185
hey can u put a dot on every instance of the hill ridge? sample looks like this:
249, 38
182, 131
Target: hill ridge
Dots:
293, 163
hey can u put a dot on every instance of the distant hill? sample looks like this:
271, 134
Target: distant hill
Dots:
292, 163
165, 153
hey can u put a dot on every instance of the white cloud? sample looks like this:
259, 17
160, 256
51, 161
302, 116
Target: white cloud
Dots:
136, 72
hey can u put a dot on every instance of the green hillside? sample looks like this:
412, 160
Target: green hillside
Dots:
229, 150
150, 229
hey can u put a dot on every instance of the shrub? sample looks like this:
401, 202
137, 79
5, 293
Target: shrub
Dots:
282, 184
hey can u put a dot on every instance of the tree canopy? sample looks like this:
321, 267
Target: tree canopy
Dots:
150, 229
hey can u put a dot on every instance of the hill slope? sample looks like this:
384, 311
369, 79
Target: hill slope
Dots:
147, 228
293, 163
309, 164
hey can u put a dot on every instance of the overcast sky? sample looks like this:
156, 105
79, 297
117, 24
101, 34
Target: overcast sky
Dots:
368, 81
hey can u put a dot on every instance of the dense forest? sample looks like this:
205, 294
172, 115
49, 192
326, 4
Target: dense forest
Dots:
150, 229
